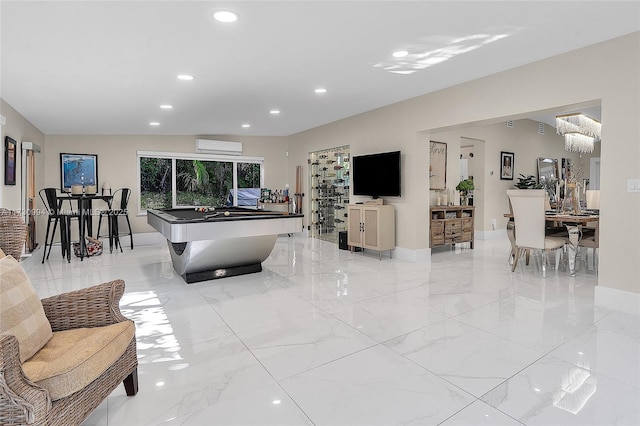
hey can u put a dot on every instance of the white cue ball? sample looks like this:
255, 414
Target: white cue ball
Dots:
227, 213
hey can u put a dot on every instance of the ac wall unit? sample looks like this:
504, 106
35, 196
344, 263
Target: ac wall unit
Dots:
218, 147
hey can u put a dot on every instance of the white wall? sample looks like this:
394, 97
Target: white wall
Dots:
606, 72
20, 130
527, 145
117, 160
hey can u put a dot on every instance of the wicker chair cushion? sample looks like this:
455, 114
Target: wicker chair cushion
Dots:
74, 358
21, 312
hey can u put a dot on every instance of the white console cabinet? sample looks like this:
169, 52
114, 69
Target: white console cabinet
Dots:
371, 226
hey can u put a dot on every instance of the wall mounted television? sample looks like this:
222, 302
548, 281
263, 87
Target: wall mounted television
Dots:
376, 175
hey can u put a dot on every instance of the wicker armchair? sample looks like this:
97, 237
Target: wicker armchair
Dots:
23, 402
13, 233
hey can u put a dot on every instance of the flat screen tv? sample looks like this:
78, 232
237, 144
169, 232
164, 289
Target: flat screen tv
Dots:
376, 175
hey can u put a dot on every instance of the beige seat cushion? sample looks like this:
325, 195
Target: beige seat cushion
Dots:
551, 243
21, 312
74, 358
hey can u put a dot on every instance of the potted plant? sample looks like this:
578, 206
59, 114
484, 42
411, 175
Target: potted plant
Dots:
526, 182
464, 186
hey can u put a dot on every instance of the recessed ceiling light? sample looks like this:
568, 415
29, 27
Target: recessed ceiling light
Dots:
225, 16
274, 112
166, 106
400, 54
185, 77
321, 90
154, 123
246, 125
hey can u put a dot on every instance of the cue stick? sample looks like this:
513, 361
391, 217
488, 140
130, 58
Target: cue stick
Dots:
222, 214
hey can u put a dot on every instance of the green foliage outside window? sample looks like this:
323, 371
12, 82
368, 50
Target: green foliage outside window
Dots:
155, 183
203, 183
198, 182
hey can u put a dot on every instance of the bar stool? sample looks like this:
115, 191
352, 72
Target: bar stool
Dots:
112, 214
53, 205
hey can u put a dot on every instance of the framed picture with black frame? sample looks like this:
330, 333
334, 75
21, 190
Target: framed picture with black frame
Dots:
9, 161
78, 169
506, 165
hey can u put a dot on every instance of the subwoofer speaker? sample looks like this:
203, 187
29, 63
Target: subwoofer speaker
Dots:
342, 240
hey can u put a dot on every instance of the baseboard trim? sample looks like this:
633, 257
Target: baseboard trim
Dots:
619, 300
148, 239
412, 255
490, 235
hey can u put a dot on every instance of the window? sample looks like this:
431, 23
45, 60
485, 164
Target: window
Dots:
170, 180
155, 183
203, 183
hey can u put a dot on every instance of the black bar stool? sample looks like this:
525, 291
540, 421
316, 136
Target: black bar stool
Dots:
112, 215
53, 204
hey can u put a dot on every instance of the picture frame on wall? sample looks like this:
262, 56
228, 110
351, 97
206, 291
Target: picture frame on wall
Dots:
437, 165
9, 161
507, 160
78, 169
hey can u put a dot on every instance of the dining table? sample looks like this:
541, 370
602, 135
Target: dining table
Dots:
573, 221
84, 204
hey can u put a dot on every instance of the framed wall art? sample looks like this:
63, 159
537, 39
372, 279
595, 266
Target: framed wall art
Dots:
437, 165
506, 165
78, 169
9, 161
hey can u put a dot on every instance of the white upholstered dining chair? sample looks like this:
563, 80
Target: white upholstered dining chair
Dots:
591, 241
529, 219
592, 197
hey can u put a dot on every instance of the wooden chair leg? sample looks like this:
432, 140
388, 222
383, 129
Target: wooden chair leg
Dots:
131, 383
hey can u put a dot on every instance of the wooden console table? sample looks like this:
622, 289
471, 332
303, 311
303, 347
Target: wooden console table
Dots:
451, 225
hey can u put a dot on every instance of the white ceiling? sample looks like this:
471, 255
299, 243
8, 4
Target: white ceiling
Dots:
88, 67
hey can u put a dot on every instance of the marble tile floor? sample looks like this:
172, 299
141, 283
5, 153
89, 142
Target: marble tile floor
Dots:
323, 336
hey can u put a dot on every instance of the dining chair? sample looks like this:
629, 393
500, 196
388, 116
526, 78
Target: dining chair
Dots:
112, 215
592, 198
592, 242
529, 221
57, 214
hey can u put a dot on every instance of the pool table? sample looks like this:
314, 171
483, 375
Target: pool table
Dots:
222, 242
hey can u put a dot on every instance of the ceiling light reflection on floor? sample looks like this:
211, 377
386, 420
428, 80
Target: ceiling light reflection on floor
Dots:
153, 329
578, 386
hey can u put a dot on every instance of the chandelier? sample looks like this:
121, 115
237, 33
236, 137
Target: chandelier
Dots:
580, 132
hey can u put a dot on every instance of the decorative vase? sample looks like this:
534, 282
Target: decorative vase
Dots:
571, 200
